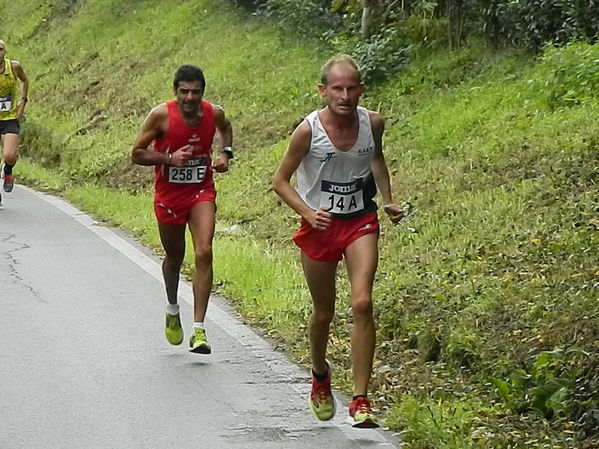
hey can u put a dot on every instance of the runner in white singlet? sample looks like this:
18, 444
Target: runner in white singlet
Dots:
337, 156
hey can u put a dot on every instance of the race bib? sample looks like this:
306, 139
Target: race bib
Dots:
193, 173
5, 103
342, 197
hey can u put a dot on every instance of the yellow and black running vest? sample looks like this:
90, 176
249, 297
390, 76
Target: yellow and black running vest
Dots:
8, 93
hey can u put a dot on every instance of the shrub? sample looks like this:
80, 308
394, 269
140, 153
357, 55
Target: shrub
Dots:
532, 23
307, 17
568, 76
379, 57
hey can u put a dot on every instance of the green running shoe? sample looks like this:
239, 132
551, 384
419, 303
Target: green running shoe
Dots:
198, 343
173, 330
321, 400
360, 414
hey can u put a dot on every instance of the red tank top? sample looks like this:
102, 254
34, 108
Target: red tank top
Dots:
178, 184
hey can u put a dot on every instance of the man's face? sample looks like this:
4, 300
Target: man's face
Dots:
343, 89
2, 50
189, 95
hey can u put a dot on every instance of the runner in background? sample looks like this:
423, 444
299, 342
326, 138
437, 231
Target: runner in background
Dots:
11, 113
182, 131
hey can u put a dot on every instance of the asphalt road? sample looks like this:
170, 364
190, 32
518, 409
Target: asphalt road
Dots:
85, 365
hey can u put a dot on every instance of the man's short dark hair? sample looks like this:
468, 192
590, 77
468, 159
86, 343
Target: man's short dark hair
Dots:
188, 74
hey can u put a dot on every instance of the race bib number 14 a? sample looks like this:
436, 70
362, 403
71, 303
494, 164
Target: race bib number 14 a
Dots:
5, 103
193, 173
342, 197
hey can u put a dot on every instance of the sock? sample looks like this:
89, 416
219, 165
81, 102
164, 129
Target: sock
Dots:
172, 309
8, 168
320, 377
198, 325
359, 396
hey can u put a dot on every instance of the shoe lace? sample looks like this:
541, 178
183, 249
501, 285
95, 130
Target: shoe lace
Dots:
323, 394
322, 391
199, 335
363, 406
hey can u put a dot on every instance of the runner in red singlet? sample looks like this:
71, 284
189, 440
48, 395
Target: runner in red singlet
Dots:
182, 131
337, 156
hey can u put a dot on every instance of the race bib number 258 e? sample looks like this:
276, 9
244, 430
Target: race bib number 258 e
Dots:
342, 197
193, 173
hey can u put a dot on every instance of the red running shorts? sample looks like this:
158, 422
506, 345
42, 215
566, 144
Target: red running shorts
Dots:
177, 212
330, 244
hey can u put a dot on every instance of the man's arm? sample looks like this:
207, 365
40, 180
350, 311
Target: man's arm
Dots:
224, 130
150, 130
298, 147
153, 127
17, 69
380, 171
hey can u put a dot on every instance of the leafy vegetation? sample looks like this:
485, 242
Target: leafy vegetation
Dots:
526, 24
486, 295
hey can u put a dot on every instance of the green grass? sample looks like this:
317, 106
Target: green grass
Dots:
133, 212
267, 289
41, 178
495, 152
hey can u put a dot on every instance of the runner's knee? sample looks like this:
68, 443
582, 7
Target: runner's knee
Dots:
322, 317
203, 255
362, 307
10, 159
174, 258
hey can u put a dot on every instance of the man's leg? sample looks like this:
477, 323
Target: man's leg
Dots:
361, 261
201, 225
173, 241
10, 143
320, 277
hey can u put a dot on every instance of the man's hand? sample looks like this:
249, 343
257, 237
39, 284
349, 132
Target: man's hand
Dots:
222, 163
180, 157
394, 212
20, 111
319, 219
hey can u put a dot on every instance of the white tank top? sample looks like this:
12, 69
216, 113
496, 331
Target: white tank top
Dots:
339, 180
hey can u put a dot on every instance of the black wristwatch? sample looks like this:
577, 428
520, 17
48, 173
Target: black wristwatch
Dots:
228, 151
